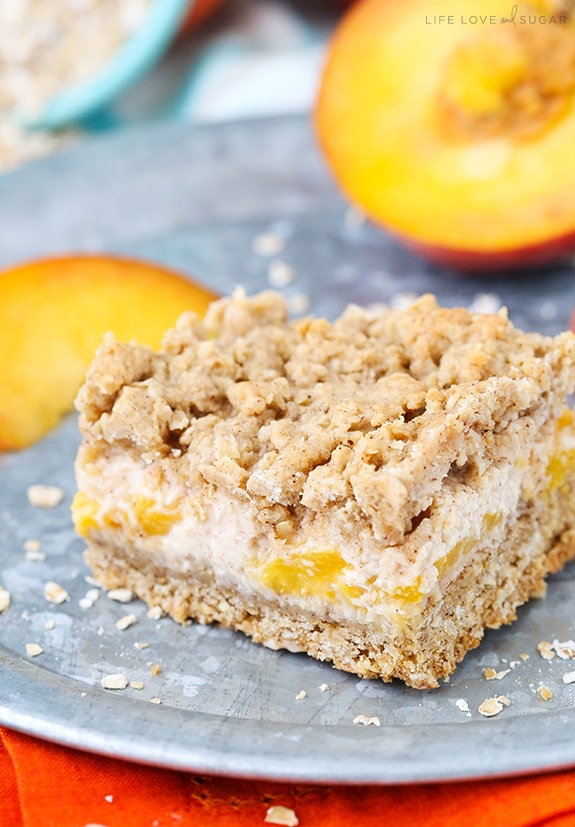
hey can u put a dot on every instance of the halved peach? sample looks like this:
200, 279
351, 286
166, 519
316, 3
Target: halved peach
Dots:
53, 315
454, 125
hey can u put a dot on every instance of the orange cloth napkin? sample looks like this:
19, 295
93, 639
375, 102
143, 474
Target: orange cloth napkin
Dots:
45, 785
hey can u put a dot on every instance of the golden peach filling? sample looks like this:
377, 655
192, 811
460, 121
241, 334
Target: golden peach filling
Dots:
510, 80
562, 463
309, 574
559, 467
465, 546
408, 594
85, 512
89, 515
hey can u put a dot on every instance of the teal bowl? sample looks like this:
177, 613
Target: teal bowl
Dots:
131, 62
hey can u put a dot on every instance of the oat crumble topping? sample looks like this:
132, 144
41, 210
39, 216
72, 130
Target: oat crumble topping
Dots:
366, 411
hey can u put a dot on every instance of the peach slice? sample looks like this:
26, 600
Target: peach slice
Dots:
53, 315
454, 127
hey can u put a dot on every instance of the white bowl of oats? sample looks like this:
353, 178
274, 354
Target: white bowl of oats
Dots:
61, 60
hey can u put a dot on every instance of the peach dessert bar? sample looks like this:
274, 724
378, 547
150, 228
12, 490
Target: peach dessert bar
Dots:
376, 491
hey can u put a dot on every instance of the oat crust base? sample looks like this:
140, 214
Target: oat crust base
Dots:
420, 657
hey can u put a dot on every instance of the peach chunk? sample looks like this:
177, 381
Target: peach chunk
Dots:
53, 315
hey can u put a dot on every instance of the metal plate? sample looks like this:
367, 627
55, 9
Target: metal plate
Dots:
196, 199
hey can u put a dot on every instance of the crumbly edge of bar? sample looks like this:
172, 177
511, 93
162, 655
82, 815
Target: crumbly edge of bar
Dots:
369, 413
485, 594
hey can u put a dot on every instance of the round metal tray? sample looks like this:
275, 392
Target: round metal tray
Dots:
196, 199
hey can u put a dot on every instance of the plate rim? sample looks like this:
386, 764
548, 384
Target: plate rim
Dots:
213, 744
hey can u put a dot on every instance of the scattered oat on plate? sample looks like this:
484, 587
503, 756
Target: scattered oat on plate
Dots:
281, 815
45, 496
55, 593
115, 681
